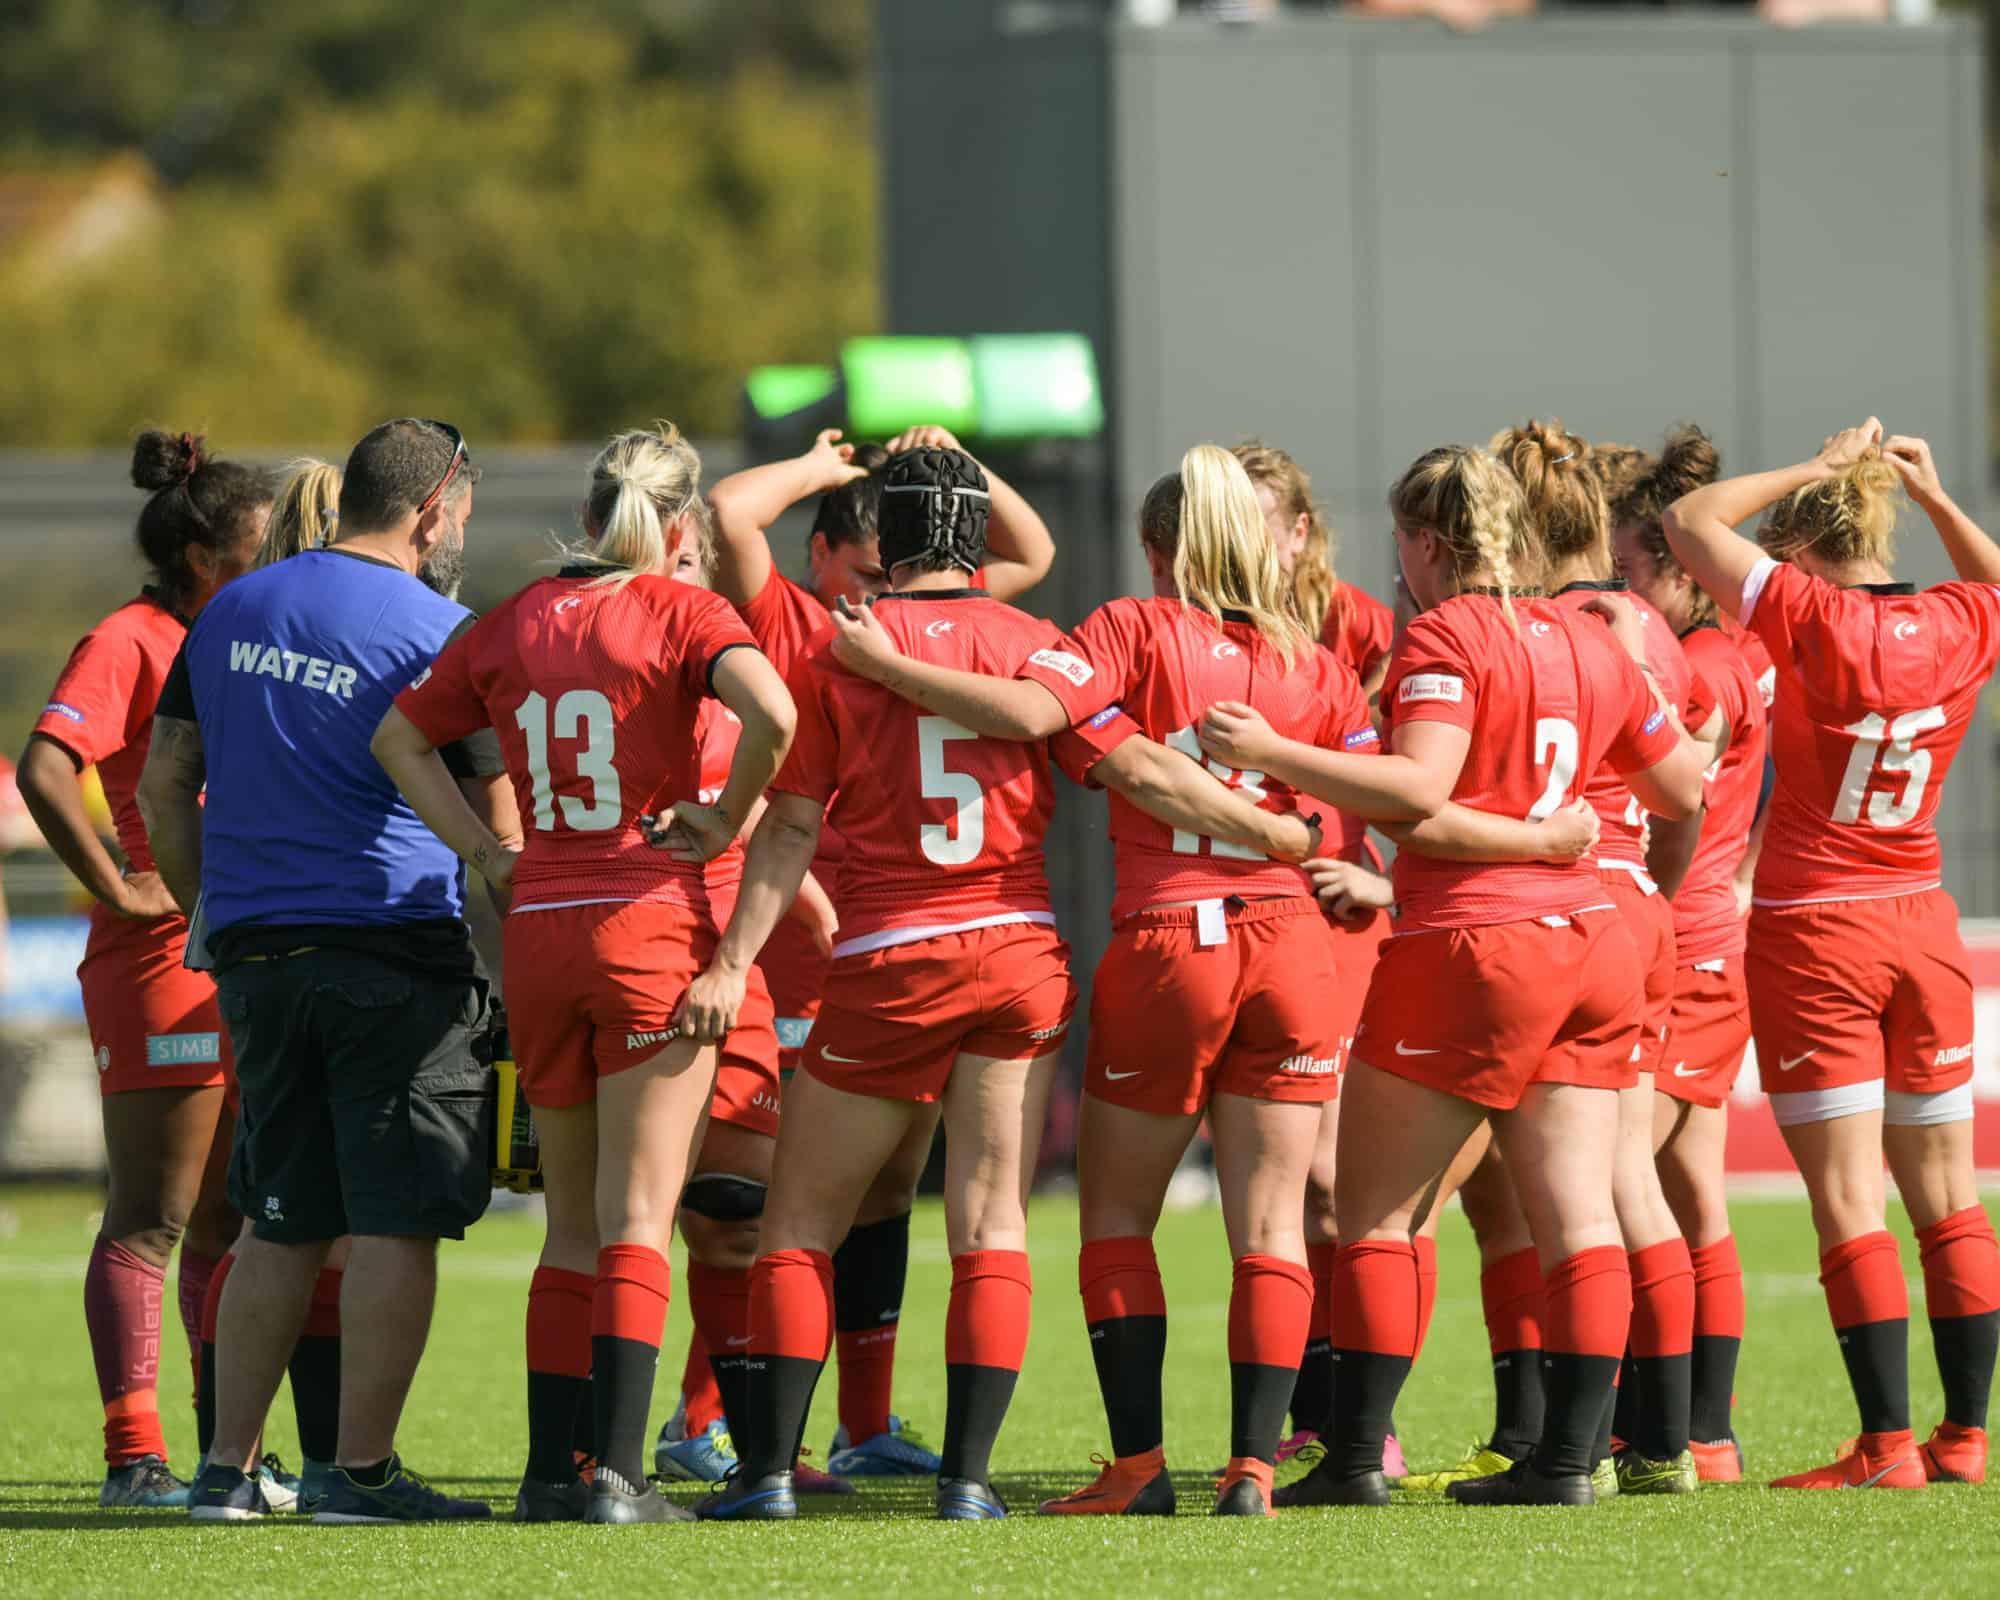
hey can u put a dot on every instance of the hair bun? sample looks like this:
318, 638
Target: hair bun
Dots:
1688, 461
161, 460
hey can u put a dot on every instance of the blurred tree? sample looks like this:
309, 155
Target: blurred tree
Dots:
543, 222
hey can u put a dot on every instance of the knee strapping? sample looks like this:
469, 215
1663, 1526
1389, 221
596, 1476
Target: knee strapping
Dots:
724, 1197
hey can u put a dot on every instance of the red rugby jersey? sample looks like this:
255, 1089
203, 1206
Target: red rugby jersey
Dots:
1544, 706
594, 692
1621, 841
1358, 629
943, 827
101, 709
1875, 690
1166, 664
718, 730
1706, 924
784, 619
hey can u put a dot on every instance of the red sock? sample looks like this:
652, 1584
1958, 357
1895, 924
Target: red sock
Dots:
1377, 1298
1427, 1286
559, 1309
211, 1304
867, 1377
191, 1284
1662, 1299
1120, 1278
1961, 1265
791, 1304
1270, 1307
323, 1318
629, 1301
1319, 1261
1863, 1279
1510, 1289
1718, 1290
701, 1400
986, 1324
122, 1297
1589, 1303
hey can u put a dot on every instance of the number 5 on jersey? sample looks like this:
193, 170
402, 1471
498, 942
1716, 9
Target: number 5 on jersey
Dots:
580, 714
954, 843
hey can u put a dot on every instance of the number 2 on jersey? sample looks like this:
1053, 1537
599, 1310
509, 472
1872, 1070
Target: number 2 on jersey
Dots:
1249, 782
1555, 748
1902, 757
580, 714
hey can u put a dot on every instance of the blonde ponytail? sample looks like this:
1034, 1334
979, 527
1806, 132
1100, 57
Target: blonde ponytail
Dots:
1223, 557
1315, 590
306, 512
640, 483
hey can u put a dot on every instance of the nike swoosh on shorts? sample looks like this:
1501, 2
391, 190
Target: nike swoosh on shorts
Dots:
1115, 1076
1404, 1050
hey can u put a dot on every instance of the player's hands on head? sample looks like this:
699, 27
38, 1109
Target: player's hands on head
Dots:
1851, 445
143, 897
1911, 457
860, 642
1569, 834
1624, 622
1347, 890
709, 1008
689, 831
1237, 733
833, 462
926, 436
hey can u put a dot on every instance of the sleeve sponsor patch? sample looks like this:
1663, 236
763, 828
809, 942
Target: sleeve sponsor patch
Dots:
421, 678
62, 710
1074, 668
1360, 739
1431, 686
1104, 716
1652, 723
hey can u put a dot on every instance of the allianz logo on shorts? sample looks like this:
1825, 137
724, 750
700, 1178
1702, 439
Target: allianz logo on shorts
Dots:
1310, 1066
1951, 1058
182, 1049
292, 666
793, 1032
639, 1041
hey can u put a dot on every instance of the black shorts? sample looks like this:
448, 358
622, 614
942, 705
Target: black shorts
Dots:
364, 1110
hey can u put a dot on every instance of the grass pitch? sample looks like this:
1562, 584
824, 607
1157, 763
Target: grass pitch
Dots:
464, 1428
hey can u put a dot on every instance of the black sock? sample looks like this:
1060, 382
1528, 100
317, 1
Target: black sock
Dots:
1607, 1424
1365, 1386
621, 1392
732, 1382
1312, 1393
1257, 1396
1878, 1366
553, 1403
976, 1401
583, 1434
1712, 1387
315, 1374
1579, 1408
1518, 1402
1130, 1353
373, 1476
1965, 1350
869, 1270
778, 1392
1660, 1424
204, 1401
1626, 1403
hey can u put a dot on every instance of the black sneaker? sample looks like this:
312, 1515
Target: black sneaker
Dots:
742, 1498
144, 1484
1241, 1499
613, 1500
403, 1497
968, 1500
1324, 1487
225, 1494
1522, 1485
536, 1501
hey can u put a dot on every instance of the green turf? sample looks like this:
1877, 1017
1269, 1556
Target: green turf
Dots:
464, 1427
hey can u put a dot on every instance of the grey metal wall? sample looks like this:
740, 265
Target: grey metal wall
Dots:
1358, 239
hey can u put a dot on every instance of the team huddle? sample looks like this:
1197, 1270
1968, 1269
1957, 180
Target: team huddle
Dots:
770, 863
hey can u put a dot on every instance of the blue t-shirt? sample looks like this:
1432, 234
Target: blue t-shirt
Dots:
290, 670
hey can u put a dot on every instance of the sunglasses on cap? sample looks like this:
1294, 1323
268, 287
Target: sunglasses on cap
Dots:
451, 470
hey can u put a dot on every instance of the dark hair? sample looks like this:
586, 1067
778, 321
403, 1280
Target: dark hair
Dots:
853, 512
1160, 514
194, 499
391, 471
1686, 462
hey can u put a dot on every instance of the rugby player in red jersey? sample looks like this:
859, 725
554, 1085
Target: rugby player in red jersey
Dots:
844, 563
1710, 1021
1860, 994
1500, 704
948, 983
163, 1062
594, 680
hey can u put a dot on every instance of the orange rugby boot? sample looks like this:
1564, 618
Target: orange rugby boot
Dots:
1245, 1490
1954, 1455
1132, 1486
1874, 1461
1717, 1462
